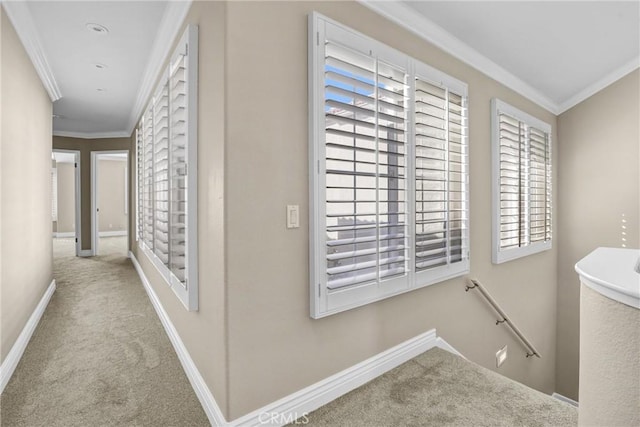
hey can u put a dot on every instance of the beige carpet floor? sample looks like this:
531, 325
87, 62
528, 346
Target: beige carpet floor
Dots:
99, 356
440, 389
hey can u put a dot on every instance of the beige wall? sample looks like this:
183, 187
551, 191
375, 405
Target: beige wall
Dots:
25, 215
275, 348
86, 146
204, 332
111, 182
599, 181
66, 198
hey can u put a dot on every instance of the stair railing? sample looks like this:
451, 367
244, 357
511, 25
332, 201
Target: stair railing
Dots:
531, 350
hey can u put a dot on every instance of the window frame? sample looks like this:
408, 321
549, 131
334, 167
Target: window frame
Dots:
324, 302
187, 293
499, 255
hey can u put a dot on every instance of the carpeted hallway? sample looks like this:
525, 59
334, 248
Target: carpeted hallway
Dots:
99, 356
440, 389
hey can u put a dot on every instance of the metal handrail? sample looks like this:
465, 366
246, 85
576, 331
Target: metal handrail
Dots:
531, 350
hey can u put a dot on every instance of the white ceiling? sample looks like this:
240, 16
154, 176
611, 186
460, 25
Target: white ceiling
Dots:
558, 48
72, 50
554, 53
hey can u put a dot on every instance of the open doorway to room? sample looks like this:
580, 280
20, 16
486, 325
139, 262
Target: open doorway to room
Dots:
65, 202
109, 202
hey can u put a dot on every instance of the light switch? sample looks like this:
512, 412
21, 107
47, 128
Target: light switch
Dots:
293, 216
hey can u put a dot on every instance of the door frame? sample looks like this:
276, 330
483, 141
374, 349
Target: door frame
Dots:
78, 196
94, 196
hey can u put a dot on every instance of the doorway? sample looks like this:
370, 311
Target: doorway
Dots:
110, 202
65, 202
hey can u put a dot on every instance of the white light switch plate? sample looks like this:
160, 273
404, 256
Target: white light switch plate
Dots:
293, 216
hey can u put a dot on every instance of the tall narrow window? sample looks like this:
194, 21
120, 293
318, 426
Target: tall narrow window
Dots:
522, 183
167, 158
388, 169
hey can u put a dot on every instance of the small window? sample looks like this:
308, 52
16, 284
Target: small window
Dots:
521, 152
389, 175
166, 141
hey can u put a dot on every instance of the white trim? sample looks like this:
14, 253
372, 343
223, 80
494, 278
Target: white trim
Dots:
598, 85
172, 20
64, 234
15, 354
205, 396
85, 253
565, 399
20, 16
92, 135
94, 196
426, 29
316, 395
77, 196
112, 233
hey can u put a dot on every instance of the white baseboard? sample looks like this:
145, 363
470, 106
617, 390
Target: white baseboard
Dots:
86, 252
565, 399
300, 403
112, 233
64, 234
13, 358
205, 396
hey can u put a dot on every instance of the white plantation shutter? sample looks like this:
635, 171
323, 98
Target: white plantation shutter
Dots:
389, 202
365, 121
168, 173
179, 148
441, 176
161, 173
147, 180
140, 183
522, 183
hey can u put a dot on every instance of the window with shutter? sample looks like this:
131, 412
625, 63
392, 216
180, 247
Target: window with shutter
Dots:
521, 183
388, 171
167, 164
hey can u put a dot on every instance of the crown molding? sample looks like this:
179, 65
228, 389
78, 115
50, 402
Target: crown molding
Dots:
171, 23
401, 14
20, 17
596, 87
92, 135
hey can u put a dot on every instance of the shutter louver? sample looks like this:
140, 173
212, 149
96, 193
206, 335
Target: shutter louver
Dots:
440, 177
178, 173
365, 136
161, 174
